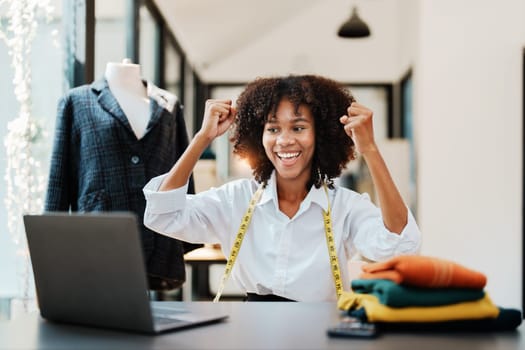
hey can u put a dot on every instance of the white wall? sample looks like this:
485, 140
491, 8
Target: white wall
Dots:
408, 35
468, 116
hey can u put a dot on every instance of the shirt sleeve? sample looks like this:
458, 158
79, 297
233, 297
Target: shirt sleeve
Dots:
373, 240
166, 201
200, 218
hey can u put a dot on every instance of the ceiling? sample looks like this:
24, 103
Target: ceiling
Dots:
238, 40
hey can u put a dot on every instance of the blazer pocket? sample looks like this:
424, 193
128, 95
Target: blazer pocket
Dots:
93, 201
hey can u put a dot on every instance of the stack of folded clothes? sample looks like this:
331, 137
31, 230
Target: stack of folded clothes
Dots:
412, 292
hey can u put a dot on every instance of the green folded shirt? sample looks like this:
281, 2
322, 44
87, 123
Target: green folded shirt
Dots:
395, 295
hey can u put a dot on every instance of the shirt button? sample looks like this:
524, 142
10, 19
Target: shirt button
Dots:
135, 159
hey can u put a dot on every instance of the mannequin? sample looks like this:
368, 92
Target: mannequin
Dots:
125, 83
111, 137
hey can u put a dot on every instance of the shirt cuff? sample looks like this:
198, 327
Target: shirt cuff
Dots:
163, 202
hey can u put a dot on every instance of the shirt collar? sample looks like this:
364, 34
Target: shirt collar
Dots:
164, 98
315, 195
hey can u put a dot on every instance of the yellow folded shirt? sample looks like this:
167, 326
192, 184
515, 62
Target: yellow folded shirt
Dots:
377, 312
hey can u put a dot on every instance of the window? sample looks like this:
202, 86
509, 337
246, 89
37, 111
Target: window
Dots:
46, 87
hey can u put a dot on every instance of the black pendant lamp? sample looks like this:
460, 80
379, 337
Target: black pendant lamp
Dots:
354, 27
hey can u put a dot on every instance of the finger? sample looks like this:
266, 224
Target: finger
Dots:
353, 111
359, 106
219, 104
231, 114
233, 111
228, 120
357, 109
220, 101
220, 110
355, 121
218, 107
349, 131
353, 124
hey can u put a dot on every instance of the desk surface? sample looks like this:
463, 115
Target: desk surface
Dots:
253, 325
205, 254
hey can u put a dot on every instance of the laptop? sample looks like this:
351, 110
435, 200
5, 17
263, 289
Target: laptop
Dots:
89, 270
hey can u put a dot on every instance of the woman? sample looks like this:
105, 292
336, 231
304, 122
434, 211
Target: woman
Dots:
297, 133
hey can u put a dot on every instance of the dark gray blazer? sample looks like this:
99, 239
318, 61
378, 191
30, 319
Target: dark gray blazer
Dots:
98, 164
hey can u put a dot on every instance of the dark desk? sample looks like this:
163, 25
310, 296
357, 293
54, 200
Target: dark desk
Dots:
199, 261
198, 286
250, 326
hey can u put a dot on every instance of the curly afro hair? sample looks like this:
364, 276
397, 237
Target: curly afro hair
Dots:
327, 101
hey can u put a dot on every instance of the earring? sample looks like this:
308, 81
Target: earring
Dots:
319, 174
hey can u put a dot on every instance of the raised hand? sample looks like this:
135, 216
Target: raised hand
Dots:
358, 125
218, 116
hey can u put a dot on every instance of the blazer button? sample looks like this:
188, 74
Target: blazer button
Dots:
135, 159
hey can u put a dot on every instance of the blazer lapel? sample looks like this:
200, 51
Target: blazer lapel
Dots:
109, 103
160, 101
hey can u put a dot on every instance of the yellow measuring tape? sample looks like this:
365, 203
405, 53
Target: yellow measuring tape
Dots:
245, 222
238, 240
334, 261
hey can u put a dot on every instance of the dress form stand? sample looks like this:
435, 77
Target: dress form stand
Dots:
125, 82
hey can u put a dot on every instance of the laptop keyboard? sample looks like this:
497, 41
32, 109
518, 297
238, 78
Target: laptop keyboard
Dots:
167, 312
163, 316
165, 320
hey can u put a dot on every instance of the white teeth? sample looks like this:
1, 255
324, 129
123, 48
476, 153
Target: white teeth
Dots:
288, 155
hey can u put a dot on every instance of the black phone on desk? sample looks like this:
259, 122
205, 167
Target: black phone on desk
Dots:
350, 327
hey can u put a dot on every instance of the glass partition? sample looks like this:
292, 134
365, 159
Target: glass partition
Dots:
148, 38
172, 68
110, 34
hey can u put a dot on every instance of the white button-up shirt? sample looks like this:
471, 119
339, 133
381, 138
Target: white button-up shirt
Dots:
279, 255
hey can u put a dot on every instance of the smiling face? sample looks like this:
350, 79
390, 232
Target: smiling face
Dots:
289, 141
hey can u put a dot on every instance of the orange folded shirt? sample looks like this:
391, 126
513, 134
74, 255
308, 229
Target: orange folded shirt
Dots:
422, 271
